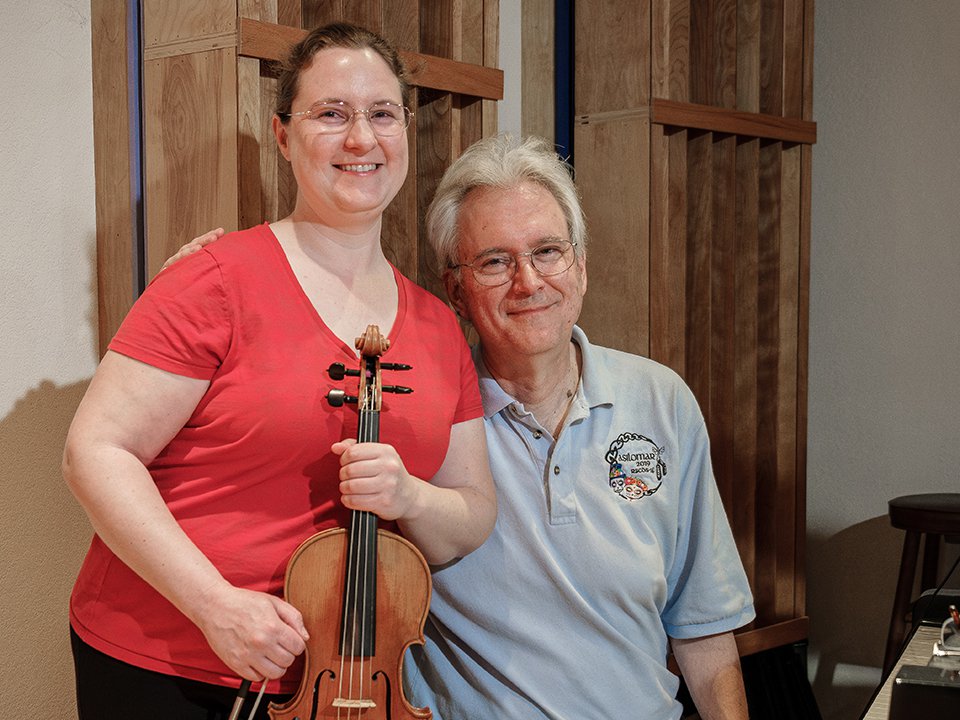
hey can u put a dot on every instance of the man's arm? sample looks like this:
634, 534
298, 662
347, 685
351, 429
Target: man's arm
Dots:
711, 668
194, 245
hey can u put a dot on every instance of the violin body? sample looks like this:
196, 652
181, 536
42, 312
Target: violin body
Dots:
402, 598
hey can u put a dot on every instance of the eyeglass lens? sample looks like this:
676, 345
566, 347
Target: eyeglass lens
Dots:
330, 117
550, 258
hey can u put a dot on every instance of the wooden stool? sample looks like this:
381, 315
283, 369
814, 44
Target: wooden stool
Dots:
935, 515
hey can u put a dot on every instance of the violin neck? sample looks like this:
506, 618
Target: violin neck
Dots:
358, 630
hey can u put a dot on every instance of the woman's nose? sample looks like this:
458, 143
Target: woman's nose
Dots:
360, 133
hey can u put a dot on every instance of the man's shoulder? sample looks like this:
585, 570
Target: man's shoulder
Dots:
624, 364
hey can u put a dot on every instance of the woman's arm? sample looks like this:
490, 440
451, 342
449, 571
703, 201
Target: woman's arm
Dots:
445, 518
129, 413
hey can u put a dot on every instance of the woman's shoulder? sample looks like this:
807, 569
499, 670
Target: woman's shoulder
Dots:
244, 245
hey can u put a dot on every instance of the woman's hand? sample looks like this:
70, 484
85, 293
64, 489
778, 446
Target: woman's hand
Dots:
256, 634
447, 517
373, 478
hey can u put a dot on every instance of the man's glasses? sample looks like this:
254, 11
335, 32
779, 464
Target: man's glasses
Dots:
386, 119
497, 267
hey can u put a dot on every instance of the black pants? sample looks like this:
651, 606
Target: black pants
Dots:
108, 689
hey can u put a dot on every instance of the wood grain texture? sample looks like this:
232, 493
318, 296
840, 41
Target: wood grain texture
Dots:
607, 33
115, 210
270, 42
730, 134
706, 117
190, 149
537, 80
616, 307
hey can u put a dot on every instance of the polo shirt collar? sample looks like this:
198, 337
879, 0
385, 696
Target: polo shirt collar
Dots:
596, 386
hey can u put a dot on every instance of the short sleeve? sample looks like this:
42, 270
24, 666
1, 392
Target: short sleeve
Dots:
182, 322
707, 586
470, 405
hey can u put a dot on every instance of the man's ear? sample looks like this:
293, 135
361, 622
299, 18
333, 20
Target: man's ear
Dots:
280, 133
455, 293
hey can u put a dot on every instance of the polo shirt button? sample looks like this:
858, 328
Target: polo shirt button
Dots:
537, 434
556, 469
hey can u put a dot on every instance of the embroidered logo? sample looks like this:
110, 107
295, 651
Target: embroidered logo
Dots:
636, 466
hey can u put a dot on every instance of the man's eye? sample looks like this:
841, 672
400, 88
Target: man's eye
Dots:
548, 252
494, 263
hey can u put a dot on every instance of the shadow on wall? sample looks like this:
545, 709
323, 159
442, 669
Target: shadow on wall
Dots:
851, 577
44, 535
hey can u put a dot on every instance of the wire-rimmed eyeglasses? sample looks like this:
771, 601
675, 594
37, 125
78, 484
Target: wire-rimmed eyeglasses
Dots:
497, 267
386, 119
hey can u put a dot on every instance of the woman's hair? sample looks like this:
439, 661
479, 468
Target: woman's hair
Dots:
501, 161
335, 35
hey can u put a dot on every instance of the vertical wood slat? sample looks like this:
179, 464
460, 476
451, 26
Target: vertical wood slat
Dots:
608, 32
748, 56
537, 68
746, 284
616, 308
112, 167
190, 148
491, 58
723, 301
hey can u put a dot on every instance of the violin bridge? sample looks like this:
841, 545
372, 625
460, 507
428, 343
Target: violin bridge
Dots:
351, 703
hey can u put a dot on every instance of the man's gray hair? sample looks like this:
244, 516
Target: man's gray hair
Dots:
501, 161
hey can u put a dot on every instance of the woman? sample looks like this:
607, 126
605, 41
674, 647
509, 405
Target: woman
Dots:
204, 451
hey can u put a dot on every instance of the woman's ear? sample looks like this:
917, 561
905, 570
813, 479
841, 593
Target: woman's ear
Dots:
280, 132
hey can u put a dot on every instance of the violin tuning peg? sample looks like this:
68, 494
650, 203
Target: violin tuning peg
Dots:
338, 371
399, 389
338, 397
395, 366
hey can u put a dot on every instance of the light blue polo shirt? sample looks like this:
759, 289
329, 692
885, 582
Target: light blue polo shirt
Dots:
608, 540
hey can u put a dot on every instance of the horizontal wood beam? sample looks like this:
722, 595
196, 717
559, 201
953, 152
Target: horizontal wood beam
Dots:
267, 41
771, 636
734, 122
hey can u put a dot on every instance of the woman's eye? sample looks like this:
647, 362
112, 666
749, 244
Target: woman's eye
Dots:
330, 115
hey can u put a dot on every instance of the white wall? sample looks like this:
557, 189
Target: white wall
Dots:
47, 325
884, 315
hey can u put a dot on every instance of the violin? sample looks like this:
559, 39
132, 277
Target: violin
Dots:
363, 592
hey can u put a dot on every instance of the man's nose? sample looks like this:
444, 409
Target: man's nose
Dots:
526, 275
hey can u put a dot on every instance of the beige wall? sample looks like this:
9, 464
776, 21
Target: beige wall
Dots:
884, 310
47, 325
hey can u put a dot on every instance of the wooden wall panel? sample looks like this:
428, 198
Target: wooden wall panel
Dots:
728, 199
606, 34
616, 307
113, 168
190, 149
537, 69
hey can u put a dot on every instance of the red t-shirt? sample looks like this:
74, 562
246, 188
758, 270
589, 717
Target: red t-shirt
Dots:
251, 475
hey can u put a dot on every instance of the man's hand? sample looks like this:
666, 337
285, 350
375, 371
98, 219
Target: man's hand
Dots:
194, 245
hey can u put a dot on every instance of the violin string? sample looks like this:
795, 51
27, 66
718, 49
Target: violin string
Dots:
371, 435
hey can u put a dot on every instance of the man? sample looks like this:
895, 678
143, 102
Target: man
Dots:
611, 546
610, 536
